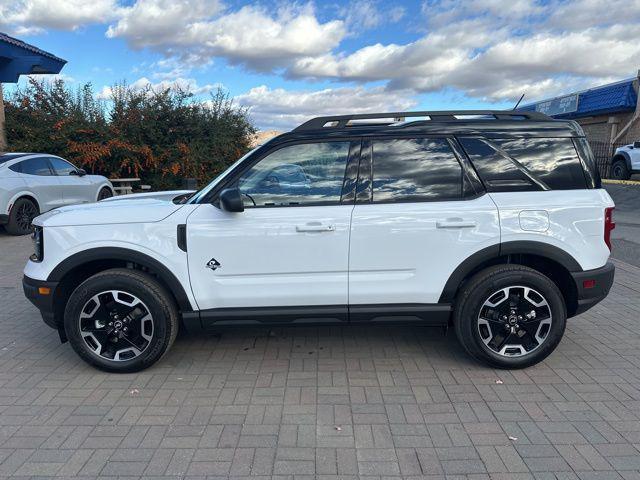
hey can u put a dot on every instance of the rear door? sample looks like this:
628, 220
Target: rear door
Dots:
419, 214
42, 181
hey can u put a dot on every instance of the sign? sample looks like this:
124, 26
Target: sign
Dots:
559, 105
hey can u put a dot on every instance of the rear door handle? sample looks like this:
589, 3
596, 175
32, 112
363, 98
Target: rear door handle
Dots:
315, 227
455, 223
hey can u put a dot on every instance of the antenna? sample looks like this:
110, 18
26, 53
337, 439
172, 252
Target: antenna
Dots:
519, 101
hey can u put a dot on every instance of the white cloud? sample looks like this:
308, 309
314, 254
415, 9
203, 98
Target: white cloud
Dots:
23, 17
251, 36
284, 109
481, 50
185, 84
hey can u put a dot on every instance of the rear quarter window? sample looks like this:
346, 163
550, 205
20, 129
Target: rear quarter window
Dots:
524, 164
554, 161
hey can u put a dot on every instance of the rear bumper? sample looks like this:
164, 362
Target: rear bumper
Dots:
593, 286
4, 219
44, 302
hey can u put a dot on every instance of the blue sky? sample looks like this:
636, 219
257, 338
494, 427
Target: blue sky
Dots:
289, 61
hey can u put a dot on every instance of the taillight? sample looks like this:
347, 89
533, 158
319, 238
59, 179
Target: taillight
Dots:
608, 225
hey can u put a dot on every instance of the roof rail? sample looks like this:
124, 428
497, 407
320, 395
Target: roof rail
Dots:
341, 121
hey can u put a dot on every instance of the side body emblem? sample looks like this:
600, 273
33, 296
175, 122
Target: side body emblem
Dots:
213, 264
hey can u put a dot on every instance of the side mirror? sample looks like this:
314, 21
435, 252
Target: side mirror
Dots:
636, 144
231, 200
79, 172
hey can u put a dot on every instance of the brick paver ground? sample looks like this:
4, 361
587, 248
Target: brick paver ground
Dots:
305, 402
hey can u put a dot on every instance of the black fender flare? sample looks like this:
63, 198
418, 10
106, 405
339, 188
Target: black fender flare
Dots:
624, 155
494, 252
127, 255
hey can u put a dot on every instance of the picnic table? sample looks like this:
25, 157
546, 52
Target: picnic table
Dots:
123, 186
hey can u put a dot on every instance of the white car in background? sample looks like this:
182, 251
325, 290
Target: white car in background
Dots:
626, 161
34, 183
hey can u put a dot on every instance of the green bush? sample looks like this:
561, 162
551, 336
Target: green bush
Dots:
161, 136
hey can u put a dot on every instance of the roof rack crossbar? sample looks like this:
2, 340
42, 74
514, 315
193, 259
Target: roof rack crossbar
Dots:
342, 121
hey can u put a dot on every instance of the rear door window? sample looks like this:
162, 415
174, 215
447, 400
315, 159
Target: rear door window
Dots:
415, 170
33, 166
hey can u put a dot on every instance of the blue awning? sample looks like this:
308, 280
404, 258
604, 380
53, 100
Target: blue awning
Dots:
615, 97
19, 58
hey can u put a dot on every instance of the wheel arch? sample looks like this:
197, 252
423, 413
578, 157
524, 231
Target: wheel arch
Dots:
24, 194
102, 186
78, 267
622, 156
547, 259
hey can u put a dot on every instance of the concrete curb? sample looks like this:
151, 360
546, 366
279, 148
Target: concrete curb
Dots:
635, 183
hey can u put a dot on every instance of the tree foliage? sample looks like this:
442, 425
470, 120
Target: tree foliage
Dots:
161, 136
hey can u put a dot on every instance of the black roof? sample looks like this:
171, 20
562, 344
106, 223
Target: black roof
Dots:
487, 123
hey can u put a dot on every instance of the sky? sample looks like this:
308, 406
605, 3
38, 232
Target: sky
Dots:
290, 61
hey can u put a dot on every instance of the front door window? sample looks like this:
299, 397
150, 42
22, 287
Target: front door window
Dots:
303, 174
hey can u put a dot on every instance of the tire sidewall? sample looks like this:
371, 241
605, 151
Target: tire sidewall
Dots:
482, 291
101, 192
623, 173
161, 326
12, 226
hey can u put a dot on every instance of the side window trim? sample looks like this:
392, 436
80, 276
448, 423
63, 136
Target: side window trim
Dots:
350, 183
233, 179
364, 189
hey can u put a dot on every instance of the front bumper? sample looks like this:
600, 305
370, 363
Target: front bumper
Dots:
35, 291
593, 286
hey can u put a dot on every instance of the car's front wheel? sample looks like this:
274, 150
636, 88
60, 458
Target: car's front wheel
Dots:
105, 193
510, 316
21, 215
121, 320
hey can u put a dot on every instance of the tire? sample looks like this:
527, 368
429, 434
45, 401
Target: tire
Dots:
620, 171
488, 294
20, 217
105, 193
121, 341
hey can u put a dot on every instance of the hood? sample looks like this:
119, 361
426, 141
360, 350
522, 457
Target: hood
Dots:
136, 210
167, 195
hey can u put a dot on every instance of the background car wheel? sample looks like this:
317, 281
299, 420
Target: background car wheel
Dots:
510, 316
121, 320
21, 215
619, 170
105, 193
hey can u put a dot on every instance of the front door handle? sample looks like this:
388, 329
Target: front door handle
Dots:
315, 227
455, 223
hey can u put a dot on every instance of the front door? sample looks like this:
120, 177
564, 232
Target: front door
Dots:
75, 188
289, 248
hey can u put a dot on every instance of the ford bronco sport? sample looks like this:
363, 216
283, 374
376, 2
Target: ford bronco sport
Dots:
493, 222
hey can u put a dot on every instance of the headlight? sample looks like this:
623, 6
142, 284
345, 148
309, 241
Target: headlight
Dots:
38, 244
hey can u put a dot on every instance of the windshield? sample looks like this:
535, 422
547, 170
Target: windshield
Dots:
203, 192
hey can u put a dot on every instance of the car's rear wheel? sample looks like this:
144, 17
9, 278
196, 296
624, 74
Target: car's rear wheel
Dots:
510, 316
620, 171
121, 320
105, 193
20, 217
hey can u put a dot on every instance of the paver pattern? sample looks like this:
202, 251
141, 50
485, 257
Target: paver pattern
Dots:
321, 402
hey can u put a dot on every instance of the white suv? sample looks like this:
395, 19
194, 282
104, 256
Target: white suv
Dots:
626, 161
494, 222
34, 183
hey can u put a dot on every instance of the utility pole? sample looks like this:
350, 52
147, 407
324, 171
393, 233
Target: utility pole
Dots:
3, 133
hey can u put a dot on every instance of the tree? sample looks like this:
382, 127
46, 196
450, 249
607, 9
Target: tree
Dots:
161, 136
